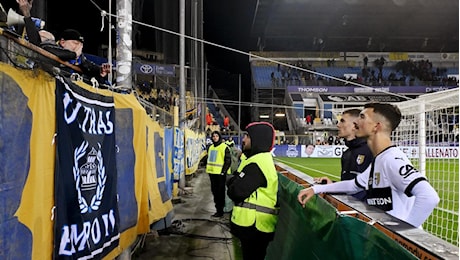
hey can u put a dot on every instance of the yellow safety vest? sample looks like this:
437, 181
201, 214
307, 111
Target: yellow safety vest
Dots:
259, 207
216, 155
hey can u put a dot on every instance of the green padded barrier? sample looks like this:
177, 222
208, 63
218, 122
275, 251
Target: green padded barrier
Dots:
318, 232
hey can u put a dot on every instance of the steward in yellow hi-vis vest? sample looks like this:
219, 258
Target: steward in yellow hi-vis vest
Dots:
216, 155
218, 165
254, 191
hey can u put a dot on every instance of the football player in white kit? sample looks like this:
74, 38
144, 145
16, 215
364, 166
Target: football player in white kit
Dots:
391, 181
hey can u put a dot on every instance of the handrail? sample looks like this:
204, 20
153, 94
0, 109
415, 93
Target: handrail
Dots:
21, 41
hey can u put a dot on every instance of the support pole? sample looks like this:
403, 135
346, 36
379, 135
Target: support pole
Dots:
182, 83
124, 44
239, 110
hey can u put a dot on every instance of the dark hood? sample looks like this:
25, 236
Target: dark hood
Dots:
220, 138
262, 136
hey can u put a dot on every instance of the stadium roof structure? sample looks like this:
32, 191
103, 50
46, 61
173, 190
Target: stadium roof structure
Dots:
357, 25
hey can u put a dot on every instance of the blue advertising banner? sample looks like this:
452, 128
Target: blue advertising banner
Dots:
345, 89
336, 151
286, 151
319, 151
165, 70
154, 69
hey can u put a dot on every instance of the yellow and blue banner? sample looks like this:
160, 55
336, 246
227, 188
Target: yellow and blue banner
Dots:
132, 164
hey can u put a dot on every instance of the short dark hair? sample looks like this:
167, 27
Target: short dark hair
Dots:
354, 112
389, 111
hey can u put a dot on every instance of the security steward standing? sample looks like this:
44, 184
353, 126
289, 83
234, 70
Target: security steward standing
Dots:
253, 189
218, 165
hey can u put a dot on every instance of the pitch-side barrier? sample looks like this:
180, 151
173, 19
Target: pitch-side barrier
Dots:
418, 242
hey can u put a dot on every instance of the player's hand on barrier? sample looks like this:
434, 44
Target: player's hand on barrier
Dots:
305, 195
322, 180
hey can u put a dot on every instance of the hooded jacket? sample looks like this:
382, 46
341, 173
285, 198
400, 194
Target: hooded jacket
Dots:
227, 156
254, 186
241, 186
262, 138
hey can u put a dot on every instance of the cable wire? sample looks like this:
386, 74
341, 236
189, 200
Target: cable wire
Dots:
251, 55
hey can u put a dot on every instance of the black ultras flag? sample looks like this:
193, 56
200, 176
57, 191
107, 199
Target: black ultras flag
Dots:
86, 214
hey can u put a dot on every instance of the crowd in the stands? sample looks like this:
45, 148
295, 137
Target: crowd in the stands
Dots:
161, 97
403, 73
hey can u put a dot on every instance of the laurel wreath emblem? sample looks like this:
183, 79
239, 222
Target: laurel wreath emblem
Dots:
102, 178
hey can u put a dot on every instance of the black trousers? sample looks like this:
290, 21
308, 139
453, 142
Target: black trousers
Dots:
218, 190
254, 243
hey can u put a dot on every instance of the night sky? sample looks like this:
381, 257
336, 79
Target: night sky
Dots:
81, 15
226, 23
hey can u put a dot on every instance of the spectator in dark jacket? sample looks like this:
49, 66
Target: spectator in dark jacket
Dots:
42, 38
358, 156
72, 40
69, 47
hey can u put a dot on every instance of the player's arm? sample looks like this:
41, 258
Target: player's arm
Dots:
409, 180
348, 186
426, 199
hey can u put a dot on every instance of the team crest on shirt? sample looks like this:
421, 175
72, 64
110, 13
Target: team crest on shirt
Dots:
360, 159
377, 178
